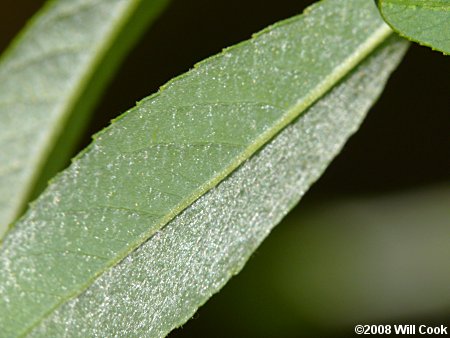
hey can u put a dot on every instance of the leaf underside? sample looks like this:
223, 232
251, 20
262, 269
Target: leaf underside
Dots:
160, 285
51, 77
424, 21
161, 156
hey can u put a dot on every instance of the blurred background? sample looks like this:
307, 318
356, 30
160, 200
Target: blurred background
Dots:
370, 242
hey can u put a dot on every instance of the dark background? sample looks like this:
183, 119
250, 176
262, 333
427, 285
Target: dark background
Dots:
402, 145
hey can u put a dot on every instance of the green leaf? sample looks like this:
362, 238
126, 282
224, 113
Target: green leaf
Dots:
156, 160
161, 284
424, 21
51, 77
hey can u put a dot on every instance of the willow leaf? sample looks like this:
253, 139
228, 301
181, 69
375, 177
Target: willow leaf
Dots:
160, 285
50, 78
424, 21
156, 160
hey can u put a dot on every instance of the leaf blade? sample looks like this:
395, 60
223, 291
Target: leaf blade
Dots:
134, 178
164, 281
425, 22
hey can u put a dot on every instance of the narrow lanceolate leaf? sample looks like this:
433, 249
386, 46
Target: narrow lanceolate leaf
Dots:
50, 78
161, 284
171, 149
424, 21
